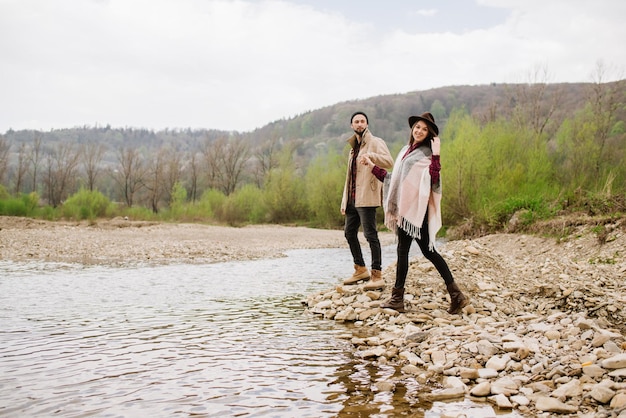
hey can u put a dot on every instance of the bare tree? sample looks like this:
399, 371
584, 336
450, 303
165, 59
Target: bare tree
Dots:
266, 160
173, 172
5, 147
533, 106
225, 160
22, 168
92, 157
193, 168
130, 175
605, 102
154, 180
62, 163
35, 159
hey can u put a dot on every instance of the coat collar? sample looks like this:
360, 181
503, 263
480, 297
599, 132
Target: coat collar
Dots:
366, 136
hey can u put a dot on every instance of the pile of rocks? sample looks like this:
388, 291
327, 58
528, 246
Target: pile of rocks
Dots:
544, 332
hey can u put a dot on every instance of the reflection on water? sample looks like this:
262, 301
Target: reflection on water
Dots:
226, 339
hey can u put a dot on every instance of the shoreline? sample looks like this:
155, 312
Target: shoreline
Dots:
120, 242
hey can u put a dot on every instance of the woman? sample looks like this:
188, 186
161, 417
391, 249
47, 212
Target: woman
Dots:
412, 206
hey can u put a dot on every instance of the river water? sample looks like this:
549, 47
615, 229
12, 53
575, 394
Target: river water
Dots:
227, 339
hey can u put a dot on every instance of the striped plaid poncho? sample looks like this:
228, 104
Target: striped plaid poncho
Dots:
408, 195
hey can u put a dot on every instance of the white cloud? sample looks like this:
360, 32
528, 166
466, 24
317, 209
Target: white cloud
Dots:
241, 64
425, 12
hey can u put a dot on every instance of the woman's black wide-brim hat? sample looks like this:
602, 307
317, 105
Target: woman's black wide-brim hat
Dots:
426, 117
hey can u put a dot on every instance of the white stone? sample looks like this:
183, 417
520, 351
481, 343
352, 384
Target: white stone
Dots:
374, 352
481, 389
411, 369
615, 362
520, 400
593, 370
497, 363
568, 390
469, 373
513, 346
438, 357
487, 373
325, 304
547, 404
454, 382
347, 314
385, 386
618, 401
443, 394
505, 386
486, 348
411, 357
599, 339
618, 373
552, 335
601, 393
501, 401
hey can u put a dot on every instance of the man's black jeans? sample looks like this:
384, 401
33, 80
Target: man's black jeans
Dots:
366, 217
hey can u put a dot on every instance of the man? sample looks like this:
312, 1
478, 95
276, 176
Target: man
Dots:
362, 195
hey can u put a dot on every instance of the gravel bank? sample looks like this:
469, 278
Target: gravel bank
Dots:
120, 242
544, 334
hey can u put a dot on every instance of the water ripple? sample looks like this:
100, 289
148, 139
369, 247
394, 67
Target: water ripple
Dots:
213, 340
222, 339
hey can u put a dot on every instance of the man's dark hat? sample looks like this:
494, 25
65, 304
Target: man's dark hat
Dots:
426, 117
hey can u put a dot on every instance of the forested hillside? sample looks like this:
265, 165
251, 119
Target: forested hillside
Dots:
506, 148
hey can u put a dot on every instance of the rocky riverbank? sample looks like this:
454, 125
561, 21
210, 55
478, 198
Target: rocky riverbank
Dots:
544, 334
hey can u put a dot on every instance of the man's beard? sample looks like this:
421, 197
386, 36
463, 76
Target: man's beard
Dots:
359, 131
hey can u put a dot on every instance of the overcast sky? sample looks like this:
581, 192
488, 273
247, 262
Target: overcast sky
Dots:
238, 65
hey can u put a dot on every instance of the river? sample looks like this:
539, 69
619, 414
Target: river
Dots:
225, 339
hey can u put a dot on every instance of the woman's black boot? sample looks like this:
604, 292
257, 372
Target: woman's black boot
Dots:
397, 300
457, 299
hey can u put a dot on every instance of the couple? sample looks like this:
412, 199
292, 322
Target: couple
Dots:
412, 198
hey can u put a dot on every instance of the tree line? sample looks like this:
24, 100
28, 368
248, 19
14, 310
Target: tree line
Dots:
520, 154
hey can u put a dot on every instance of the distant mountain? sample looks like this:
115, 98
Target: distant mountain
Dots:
387, 115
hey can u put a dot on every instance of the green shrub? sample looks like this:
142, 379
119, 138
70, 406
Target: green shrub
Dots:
138, 213
285, 195
179, 197
48, 213
324, 184
13, 207
85, 204
243, 206
4, 195
23, 205
531, 209
210, 205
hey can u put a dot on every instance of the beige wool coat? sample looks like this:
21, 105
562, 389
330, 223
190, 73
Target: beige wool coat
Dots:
368, 187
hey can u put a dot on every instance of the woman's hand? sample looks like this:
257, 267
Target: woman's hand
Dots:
436, 145
366, 160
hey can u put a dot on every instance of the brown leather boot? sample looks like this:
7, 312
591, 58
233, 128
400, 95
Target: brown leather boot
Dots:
397, 300
360, 273
457, 299
376, 281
